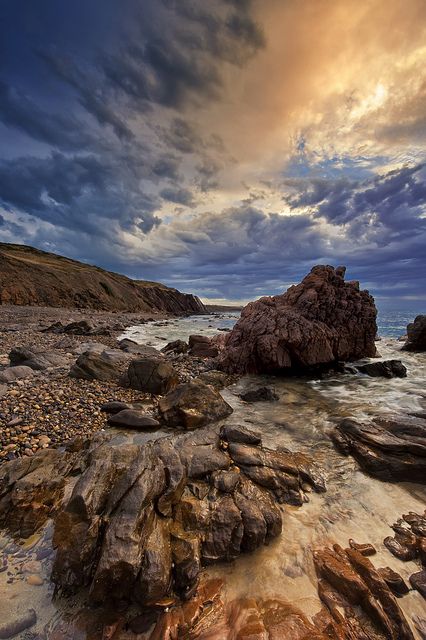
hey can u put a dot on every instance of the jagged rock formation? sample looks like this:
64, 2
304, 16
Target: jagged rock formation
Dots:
358, 599
416, 335
143, 519
392, 448
32, 277
318, 322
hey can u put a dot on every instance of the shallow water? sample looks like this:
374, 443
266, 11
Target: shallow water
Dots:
354, 506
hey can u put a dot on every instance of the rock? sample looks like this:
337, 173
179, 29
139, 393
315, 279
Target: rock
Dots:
394, 581
364, 549
10, 374
384, 369
233, 433
357, 597
3, 387
152, 375
133, 419
78, 328
92, 365
36, 358
130, 346
34, 580
409, 541
317, 323
261, 394
217, 379
202, 347
418, 582
392, 449
416, 335
22, 622
192, 405
115, 406
177, 346
31, 489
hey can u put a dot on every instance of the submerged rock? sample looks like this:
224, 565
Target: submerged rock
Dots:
19, 624
319, 322
192, 405
262, 394
416, 335
384, 369
176, 346
391, 448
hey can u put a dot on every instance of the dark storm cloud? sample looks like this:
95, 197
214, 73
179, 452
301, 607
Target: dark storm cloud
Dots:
58, 130
178, 196
395, 199
79, 192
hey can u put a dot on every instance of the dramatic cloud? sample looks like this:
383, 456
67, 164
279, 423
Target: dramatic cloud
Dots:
222, 147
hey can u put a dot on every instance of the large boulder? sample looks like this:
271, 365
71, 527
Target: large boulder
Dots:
192, 405
152, 375
318, 322
416, 335
36, 358
92, 365
130, 346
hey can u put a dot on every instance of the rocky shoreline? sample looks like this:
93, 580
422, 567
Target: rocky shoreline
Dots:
48, 407
125, 475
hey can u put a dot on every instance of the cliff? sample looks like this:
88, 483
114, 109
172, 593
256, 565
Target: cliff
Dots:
29, 276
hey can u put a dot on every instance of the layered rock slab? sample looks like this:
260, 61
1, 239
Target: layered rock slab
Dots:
392, 448
318, 322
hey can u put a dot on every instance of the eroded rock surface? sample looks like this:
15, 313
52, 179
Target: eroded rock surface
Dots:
391, 448
320, 321
152, 375
142, 520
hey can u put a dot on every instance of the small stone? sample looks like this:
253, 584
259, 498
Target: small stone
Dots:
35, 580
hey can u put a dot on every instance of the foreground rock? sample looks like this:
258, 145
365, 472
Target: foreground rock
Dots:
384, 369
143, 519
392, 449
416, 335
262, 394
10, 374
192, 405
319, 322
359, 601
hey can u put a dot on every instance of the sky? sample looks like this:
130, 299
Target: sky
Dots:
221, 147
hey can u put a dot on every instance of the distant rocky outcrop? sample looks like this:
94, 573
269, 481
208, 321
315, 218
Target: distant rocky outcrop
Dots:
29, 276
416, 335
318, 322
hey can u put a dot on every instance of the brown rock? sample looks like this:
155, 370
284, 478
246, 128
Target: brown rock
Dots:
202, 347
192, 405
316, 323
152, 375
416, 335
